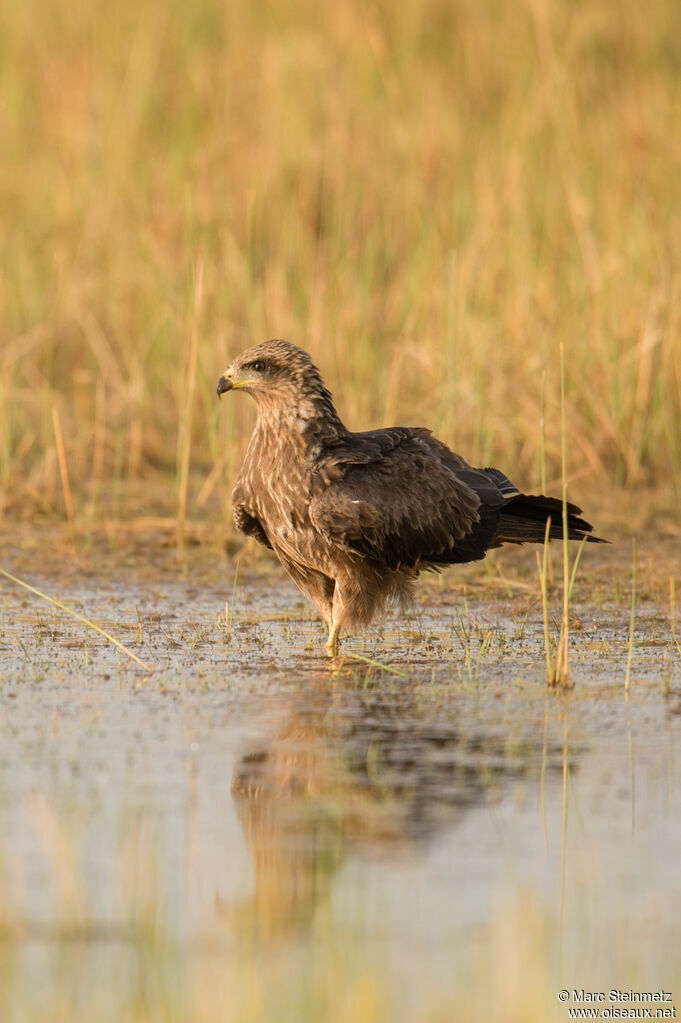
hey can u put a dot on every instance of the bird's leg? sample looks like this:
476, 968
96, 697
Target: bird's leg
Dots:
336, 619
332, 641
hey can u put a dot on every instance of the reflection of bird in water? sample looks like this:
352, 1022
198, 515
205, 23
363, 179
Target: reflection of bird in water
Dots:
354, 517
294, 839
365, 770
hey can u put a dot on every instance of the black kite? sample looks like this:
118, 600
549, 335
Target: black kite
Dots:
354, 517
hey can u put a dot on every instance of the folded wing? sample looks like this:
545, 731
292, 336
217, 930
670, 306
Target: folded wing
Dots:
402, 498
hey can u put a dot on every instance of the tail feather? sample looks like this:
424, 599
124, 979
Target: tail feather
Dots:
523, 519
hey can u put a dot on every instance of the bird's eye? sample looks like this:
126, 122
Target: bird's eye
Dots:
259, 366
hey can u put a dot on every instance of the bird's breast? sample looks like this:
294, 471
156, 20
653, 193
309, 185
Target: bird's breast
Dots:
276, 473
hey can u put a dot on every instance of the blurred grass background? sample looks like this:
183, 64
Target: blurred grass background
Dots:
429, 196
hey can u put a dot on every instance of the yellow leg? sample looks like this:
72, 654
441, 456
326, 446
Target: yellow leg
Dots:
332, 641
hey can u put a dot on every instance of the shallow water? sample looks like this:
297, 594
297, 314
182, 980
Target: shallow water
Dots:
422, 830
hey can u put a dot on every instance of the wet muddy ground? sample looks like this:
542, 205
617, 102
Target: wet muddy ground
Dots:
422, 830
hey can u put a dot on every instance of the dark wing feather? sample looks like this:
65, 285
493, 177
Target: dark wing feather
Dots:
402, 498
245, 520
501, 480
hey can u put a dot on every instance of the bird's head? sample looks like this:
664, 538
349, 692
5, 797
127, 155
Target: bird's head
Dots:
276, 373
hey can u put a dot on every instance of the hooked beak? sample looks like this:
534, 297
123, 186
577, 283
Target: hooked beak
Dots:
225, 383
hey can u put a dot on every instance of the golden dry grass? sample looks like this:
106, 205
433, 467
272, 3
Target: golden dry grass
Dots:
429, 196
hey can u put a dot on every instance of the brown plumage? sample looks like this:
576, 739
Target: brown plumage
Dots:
354, 517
